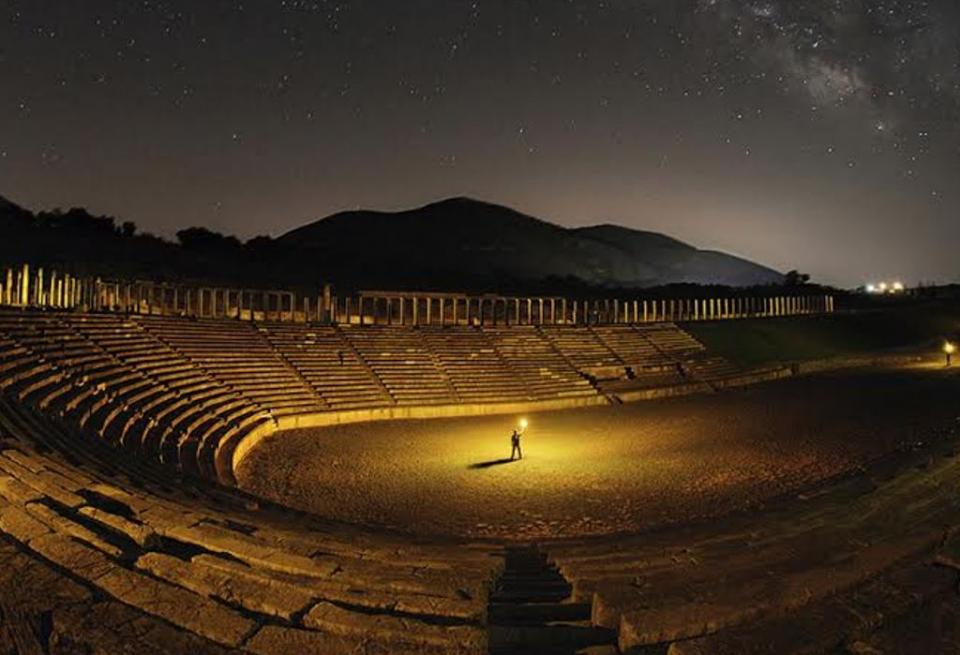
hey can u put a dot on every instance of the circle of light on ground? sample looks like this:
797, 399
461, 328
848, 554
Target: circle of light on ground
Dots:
601, 470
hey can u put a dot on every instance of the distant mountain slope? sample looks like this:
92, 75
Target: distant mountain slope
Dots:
472, 242
453, 245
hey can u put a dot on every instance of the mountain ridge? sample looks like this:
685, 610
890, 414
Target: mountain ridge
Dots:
453, 244
519, 246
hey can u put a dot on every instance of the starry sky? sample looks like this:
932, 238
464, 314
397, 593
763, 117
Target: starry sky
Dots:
820, 135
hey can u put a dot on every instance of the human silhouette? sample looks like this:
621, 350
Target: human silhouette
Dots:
340, 356
515, 452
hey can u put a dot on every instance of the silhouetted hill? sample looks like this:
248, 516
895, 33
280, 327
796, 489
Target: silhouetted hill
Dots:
453, 245
463, 239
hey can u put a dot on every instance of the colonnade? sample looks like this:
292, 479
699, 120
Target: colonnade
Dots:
23, 286
388, 308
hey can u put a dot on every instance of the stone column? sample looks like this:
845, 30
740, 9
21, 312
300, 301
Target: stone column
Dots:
443, 314
50, 292
25, 285
429, 302
327, 307
40, 293
456, 318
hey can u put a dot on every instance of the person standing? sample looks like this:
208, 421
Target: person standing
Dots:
515, 451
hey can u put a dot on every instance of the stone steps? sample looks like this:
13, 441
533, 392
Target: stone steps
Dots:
530, 610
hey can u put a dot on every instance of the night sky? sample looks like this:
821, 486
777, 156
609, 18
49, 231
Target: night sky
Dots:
817, 135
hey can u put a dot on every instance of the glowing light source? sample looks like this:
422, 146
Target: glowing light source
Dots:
949, 348
523, 424
883, 288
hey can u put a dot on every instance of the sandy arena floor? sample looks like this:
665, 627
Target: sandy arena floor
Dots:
602, 470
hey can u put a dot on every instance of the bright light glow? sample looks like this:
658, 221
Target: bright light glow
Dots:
523, 424
949, 348
885, 287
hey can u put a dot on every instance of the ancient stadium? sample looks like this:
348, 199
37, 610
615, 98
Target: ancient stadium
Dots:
199, 470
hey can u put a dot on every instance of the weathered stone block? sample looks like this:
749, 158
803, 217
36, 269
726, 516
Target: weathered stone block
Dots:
61, 524
142, 535
393, 629
17, 523
177, 605
16, 491
256, 594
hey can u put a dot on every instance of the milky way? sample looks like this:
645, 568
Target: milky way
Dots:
814, 135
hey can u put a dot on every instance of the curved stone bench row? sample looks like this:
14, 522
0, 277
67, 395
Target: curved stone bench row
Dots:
730, 586
102, 375
219, 565
190, 393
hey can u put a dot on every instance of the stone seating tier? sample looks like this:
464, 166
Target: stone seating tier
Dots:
225, 570
187, 392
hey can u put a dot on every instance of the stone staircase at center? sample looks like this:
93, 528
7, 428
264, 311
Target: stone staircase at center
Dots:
530, 611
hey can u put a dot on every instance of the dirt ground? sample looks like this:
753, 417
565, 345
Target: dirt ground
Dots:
603, 470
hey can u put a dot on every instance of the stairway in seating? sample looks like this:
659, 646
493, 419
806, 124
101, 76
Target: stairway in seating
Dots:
531, 611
